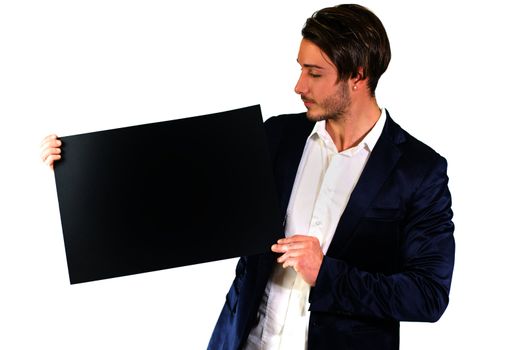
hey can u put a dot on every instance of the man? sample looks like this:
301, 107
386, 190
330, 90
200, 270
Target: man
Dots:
368, 232
369, 238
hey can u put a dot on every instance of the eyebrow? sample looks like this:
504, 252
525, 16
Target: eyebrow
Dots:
312, 66
306, 65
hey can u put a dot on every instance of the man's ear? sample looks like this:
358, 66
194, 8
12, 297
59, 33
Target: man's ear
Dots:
357, 82
359, 76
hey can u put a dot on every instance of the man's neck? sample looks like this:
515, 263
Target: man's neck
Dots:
350, 129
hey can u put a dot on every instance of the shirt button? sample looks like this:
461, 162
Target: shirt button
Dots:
318, 222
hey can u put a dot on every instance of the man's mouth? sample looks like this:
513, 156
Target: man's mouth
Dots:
307, 102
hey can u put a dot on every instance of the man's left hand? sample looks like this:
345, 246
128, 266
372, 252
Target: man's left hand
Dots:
303, 253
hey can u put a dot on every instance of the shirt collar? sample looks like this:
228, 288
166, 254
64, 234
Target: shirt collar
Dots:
374, 134
369, 140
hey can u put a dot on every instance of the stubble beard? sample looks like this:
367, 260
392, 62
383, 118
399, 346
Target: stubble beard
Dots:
333, 107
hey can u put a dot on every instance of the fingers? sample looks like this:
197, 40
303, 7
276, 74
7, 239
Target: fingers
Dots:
302, 253
296, 238
48, 138
51, 159
295, 242
290, 254
284, 247
50, 141
50, 150
291, 263
295, 247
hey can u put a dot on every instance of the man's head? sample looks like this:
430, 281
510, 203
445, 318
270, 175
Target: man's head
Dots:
348, 44
353, 38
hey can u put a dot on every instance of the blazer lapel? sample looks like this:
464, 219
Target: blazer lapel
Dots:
378, 168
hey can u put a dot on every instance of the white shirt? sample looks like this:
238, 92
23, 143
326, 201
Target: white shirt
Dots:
323, 184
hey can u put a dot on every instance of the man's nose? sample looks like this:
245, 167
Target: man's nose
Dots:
301, 87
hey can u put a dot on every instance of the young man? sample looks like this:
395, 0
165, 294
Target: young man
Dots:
369, 238
368, 231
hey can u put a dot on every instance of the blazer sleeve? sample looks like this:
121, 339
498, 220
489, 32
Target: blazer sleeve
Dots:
420, 290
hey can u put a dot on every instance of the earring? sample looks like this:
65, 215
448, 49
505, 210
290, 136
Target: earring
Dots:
354, 87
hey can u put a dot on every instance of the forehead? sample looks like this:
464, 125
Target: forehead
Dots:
311, 55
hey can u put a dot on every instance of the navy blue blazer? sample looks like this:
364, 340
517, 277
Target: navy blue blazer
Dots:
391, 258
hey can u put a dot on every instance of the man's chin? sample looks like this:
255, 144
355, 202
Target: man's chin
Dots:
315, 117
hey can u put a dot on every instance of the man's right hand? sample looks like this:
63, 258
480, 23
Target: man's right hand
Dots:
50, 150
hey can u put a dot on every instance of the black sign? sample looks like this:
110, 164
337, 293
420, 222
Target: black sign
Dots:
166, 194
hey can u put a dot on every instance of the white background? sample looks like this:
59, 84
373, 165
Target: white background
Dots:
456, 81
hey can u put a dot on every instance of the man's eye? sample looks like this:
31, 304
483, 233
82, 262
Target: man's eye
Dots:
315, 75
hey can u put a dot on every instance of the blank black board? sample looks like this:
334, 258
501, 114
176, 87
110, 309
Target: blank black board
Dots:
166, 194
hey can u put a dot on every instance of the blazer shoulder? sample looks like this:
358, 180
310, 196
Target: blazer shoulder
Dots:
417, 160
412, 147
287, 128
283, 122
421, 150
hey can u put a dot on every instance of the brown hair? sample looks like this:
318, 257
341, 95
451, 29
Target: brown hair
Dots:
352, 37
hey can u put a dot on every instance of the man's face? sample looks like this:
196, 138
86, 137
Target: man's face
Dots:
322, 96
